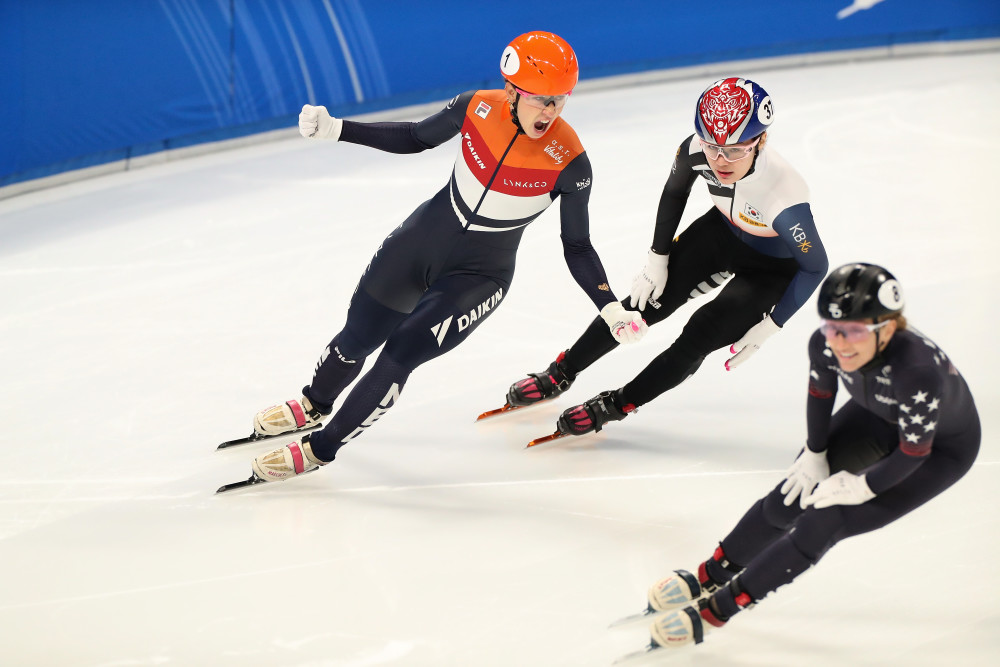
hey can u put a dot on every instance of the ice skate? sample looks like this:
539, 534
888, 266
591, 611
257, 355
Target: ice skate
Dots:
286, 462
676, 590
287, 417
541, 386
594, 414
685, 626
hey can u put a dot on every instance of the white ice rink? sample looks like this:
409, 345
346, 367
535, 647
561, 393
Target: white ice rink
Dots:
147, 315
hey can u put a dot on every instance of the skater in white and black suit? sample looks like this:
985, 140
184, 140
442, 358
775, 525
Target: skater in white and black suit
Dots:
909, 431
449, 265
759, 239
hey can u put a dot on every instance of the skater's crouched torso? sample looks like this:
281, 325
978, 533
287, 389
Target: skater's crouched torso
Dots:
501, 182
502, 179
912, 386
768, 209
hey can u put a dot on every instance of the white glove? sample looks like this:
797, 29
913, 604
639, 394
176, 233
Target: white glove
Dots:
808, 470
627, 326
751, 341
650, 281
317, 123
841, 489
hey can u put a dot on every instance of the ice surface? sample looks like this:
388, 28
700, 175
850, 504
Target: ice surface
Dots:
147, 315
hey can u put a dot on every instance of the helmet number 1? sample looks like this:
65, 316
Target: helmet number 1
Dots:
509, 62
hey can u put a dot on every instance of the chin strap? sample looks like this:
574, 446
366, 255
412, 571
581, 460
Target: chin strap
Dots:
878, 359
513, 115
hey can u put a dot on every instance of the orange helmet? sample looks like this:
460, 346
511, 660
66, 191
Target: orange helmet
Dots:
541, 63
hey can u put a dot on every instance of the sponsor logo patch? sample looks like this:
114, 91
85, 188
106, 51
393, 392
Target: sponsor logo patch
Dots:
390, 400
751, 222
525, 184
556, 151
483, 110
800, 237
440, 330
472, 151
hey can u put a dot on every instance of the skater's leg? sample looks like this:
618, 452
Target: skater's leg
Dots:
856, 437
736, 308
368, 325
816, 531
716, 325
699, 262
448, 313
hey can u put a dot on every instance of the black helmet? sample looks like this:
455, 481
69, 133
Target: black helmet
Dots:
859, 292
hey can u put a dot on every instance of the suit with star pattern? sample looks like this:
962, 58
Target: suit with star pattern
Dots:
910, 426
913, 388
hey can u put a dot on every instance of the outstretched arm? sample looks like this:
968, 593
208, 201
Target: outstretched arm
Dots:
399, 137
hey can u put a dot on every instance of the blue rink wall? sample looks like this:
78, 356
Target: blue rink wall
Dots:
104, 81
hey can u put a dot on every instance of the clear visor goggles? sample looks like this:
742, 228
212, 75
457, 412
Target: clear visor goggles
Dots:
542, 101
728, 153
853, 332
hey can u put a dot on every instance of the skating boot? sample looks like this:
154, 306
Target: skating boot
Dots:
287, 417
287, 462
594, 414
684, 626
682, 587
540, 386
678, 589
689, 624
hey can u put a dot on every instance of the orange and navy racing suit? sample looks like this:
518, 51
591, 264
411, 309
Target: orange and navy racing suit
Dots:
449, 265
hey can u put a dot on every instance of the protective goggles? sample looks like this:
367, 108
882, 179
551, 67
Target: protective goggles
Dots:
728, 153
853, 332
542, 101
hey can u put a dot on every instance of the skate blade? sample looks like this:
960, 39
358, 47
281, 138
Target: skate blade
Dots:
646, 615
547, 438
507, 407
256, 437
255, 480
652, 652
